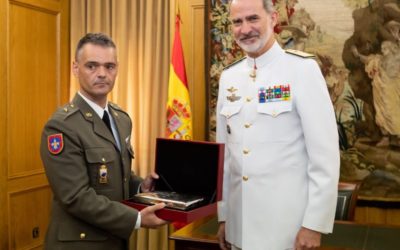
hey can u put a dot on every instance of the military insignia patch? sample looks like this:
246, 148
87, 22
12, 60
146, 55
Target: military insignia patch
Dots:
103, 175
233, 98
55, 143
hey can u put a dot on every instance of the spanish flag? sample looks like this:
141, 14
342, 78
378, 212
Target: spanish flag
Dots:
179, 116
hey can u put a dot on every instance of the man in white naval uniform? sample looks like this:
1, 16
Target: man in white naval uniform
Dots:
282, 155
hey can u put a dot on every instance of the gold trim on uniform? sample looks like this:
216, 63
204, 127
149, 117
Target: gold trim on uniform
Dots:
299, 53
103, 172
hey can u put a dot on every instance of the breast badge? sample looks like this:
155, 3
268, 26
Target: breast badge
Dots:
55, 143
103, 174
233, 97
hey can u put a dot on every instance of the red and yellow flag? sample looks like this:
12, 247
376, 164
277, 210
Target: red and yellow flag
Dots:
179, 116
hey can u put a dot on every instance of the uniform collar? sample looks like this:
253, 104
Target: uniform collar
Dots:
266, 58
99, 110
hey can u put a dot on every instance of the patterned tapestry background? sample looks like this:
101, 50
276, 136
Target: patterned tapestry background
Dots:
357, 44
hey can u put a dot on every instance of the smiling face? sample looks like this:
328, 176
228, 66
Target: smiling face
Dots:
96, 68
252, 26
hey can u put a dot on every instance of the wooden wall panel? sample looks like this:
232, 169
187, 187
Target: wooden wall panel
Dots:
28, 223
34, 80
3, 131
33, 69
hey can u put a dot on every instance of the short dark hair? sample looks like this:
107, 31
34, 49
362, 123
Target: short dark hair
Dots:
94, 38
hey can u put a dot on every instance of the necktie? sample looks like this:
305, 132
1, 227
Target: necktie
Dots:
106, 120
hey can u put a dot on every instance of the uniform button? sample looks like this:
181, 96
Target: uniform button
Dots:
248, 99
245, 178
274, 113
247, 125
125, 179
103, 159
82, 235
246, 151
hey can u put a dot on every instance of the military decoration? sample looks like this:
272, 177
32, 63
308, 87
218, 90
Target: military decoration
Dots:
103, 174
55, 143
233, 97
276, 93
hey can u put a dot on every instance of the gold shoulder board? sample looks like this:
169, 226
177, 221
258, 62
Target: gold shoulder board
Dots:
235, 62
299, 53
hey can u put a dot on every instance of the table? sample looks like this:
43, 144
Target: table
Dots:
201, 235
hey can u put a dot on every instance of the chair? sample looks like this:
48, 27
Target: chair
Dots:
347, 200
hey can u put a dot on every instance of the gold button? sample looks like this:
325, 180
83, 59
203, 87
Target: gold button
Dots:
248, 99
65, 109
247, 125
245, 178
72, 105
103, 159
82, 235
246, 151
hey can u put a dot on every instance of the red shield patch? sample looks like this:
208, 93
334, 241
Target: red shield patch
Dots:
55, 143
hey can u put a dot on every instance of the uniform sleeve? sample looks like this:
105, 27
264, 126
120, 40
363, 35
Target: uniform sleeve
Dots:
321, 138
68, 177
222, 138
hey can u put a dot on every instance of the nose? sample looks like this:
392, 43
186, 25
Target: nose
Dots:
101, 72
245, 28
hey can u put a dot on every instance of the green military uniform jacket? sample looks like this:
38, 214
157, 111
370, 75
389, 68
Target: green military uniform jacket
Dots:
89, 176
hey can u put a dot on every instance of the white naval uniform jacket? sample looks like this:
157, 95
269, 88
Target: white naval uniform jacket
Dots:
282, 158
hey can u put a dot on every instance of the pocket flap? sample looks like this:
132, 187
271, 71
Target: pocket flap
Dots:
99, 155
229, 111
274, 108
74, 231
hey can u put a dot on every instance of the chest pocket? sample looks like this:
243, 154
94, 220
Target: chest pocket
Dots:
231, 114
102, 167
274, 109
276, 119
230, 110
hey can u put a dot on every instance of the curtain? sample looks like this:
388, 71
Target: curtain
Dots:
141, 32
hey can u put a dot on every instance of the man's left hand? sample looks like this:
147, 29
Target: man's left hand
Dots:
307, 239
148, 182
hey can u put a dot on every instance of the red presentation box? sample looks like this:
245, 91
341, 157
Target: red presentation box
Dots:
188, 167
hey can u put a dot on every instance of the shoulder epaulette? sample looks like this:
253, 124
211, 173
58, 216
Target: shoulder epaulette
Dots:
299, 53
116, 107
67, 110
234, 63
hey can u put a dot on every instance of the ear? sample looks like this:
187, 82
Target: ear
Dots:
75, 68
274, 18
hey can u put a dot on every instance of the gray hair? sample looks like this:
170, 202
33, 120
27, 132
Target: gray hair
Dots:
94, 38
267, 4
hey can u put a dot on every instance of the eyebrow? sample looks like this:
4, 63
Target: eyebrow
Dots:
251, 17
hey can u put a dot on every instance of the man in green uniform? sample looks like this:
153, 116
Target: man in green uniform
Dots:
86, 151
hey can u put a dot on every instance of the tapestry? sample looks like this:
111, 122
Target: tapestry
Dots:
357, 45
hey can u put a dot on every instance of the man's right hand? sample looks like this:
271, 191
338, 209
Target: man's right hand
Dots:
223, 244
148, 217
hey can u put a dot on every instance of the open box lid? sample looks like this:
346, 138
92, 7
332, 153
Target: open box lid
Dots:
188, 167
191, 167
